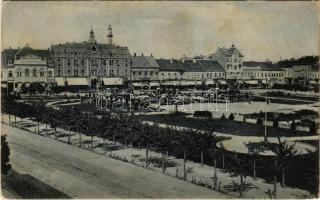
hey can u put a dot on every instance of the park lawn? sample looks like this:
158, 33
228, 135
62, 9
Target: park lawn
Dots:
223, 126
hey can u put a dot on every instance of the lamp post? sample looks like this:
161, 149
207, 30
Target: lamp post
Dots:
265, 115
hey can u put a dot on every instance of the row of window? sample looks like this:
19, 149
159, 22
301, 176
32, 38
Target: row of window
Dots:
94, 72
235, 67
93, 62
27, 73
145, 73
234, 60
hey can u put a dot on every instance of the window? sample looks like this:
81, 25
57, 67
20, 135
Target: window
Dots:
75, 72
26, 72
82, 72
133, 73
82, 62
34, 73
151, 73
111, 62
104, 62
215, 74
18, 73
69, 62
59, 72
145, 73
69, 72
162, 74
49, 73
139, 73
42, 74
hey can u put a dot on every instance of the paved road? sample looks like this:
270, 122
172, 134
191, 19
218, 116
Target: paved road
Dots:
83, 174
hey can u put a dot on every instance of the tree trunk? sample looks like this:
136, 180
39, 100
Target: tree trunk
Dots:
9, 119
201, 158
147, 154
254, 169
15, 120
114, 138
69, 137
223, 160
283, 178
92, 141
215, 178
184, 165
46, 129
163, 164
38, 126
275, 186
79, 139
241, 185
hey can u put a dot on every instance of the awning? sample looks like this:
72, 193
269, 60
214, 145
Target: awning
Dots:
171, 83
186, 83
251, 82
223, 82
210, 82
137, 84
240, 81
77, 81
280, 82
154, 84
60, 81
112, 81
313, 82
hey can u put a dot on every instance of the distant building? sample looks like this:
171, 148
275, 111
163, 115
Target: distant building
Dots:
92, 60
144, 68
231, 60
26, 66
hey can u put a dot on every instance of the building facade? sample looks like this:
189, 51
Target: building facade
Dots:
22, 67
92, 60
144, 68
231, 60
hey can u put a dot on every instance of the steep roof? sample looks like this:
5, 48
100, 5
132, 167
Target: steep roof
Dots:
270, 67
145, 62
230, 51
255, 63
211, 65
169, 65
8, 55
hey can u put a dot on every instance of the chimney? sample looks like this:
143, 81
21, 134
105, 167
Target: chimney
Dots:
142, 54
151, 55
134, 54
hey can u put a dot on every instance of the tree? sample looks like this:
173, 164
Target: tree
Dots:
284, 152
5, 155
223, 117
239, 167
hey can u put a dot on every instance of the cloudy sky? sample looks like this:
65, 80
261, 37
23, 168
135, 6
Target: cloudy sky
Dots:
261, 30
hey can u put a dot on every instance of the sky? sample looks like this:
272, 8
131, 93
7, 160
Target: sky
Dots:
260, 30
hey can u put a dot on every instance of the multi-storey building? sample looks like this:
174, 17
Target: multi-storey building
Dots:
92, 60
231, 60
26, 66
144, 68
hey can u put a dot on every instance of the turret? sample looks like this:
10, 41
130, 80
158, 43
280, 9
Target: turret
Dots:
109, 35
91, 37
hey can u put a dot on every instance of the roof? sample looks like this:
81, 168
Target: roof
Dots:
8, 55
86, 47
255, 63
270, 67
144, 62
170, 65
190, 65
230, 51
211, 65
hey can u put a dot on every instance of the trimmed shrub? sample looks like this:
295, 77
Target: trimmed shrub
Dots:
293, 125
206, 114
259, 121
223, 117
231, 116
5, 155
